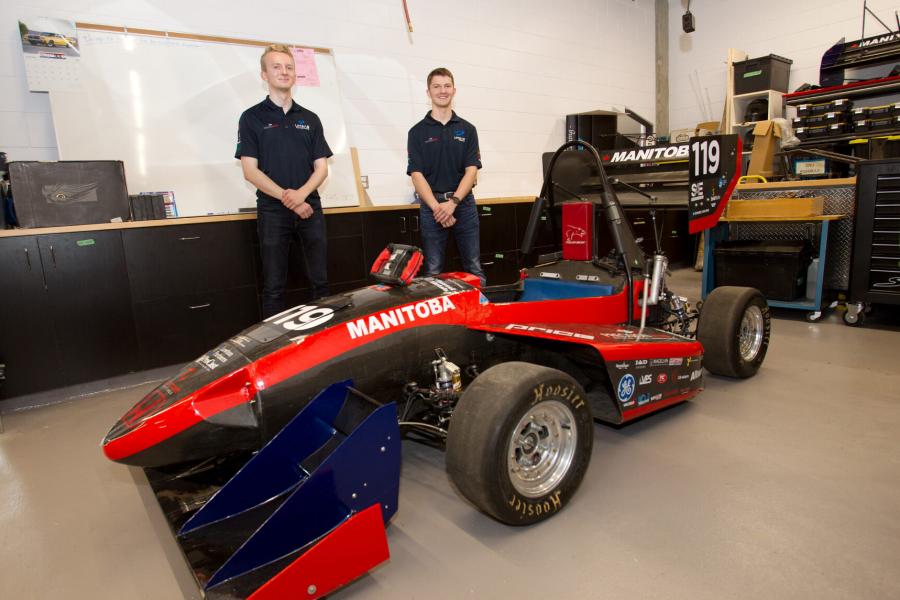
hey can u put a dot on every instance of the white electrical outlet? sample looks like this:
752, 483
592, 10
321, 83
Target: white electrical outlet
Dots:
365, 181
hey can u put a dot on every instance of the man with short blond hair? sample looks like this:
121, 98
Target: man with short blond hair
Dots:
443, 162
283, 153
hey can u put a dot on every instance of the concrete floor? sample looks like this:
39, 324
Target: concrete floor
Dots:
786, 485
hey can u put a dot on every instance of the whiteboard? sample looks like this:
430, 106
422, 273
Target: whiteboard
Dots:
169, 109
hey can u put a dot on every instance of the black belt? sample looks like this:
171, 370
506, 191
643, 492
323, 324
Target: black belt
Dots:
439, 196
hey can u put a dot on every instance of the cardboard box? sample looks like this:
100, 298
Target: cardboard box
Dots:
775, 208
707, 128
766, 142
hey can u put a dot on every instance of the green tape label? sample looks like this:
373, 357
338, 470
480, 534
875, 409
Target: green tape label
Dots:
87, 242
752, 74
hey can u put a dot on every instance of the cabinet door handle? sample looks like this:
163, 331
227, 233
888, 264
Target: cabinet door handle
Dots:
53, 255
189, 238
416, 223
27, 259
197, 306
402, 224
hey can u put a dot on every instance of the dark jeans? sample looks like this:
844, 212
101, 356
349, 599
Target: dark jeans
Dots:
465, 232
278, 227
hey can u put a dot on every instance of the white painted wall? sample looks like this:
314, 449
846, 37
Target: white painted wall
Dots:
520, 66
797, 29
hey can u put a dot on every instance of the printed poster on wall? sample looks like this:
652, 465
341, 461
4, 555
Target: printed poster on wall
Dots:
305, 67
50, 49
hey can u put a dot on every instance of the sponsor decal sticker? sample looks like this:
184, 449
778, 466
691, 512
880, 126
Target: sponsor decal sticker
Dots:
695, 375
643, 399
645, 379
571, 334
300, 318
575, 235
661, 152
675, 362
662, 378
626, 388
301, 124
622, 365
655, 397
640, 363
659, 362
399, 316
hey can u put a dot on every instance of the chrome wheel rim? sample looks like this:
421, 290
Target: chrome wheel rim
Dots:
753, 329
542, 448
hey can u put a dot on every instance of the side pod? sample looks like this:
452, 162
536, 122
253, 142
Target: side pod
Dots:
306, 515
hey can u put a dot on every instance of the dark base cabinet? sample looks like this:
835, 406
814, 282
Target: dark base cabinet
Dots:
182, 328
27, 341
65, 312
77, 307
193, 286
90, 304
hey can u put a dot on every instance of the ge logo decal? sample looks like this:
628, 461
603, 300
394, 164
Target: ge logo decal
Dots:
626, 388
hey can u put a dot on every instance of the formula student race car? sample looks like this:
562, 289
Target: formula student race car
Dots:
276, 455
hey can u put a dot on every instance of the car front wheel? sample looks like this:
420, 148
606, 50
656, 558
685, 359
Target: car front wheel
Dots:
520, 442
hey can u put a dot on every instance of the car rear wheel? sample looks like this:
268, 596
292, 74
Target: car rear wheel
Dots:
734, 329
520, 442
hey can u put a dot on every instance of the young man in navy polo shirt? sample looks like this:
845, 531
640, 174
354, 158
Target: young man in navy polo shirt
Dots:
443, 162
284, 154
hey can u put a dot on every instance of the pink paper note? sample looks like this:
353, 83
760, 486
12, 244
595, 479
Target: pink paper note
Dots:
305, 63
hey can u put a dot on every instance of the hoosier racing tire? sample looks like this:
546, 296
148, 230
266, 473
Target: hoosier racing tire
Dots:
520, 442
734, 329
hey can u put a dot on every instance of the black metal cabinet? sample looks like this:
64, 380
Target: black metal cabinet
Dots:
381, 227
193, 286
89, 303
875, 276
27, 341
66, 315
183, 327
189, 259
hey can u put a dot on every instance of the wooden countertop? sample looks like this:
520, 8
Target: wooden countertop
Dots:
781, 219
231, 217
789, 185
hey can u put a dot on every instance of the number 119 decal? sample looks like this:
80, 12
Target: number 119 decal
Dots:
714, 168
705, 157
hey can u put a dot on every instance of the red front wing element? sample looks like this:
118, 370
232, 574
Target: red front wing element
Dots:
353, 548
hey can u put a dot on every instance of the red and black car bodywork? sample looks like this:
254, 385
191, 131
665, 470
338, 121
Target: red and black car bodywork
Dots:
275, 456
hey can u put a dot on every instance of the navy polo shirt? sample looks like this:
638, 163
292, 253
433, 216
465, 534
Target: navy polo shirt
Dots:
285, 143
442, 152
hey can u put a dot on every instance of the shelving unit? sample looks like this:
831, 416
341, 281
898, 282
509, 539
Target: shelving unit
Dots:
742, 101
864, 144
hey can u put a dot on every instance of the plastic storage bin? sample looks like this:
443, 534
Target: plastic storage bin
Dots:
775, 268
765, 73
